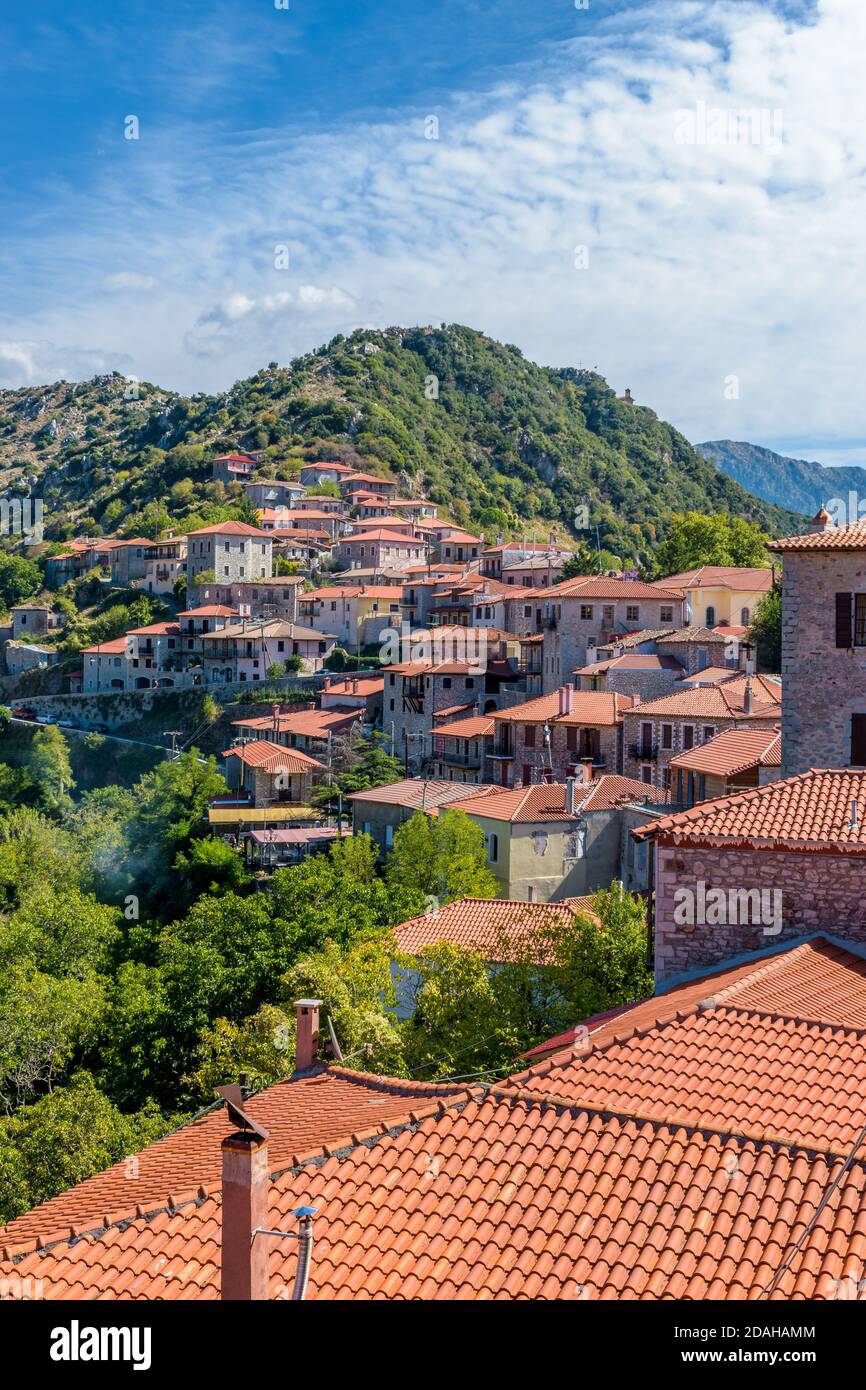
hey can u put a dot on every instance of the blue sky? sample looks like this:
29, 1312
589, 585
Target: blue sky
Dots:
571, 200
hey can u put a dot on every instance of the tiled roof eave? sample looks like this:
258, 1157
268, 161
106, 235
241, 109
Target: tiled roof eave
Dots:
776, 842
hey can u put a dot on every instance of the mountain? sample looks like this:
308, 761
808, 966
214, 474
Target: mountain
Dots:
502, 445
784, 481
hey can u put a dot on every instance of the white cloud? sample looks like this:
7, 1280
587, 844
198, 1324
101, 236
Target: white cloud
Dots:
35, 363
130, 280
724, 283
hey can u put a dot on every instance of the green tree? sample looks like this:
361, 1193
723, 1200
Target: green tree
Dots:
65, 1137
440, 857
696, 538
19, 579
367, 764
50, 769
766, 630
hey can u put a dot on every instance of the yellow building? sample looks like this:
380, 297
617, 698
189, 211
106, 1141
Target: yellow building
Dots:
721, 593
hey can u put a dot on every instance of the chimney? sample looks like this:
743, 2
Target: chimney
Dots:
747, 698
855, 823
327, 683
354, 685
245, 1186
570, 796
307, 1033
566, 699
586, 764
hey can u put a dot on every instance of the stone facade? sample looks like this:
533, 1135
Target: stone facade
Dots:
819, 893
575, 622
570, 745
231, 556
668, 739
823, 685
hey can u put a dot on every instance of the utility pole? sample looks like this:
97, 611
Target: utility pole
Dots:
174, 735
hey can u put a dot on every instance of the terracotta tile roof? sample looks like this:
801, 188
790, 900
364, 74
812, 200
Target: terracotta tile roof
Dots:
232, 528
477, 727
510, 1196
480, 924
310, 723
835, 538
380, 534
155, 630
366, 685
117, 644
312, 1108
708, 1053
717, 701
595, 707
597, 586
273, 758
338, 591
413, 793
689, 634
547, 801
811, 811
635, 661
709, 675
721, 577
733, 751
210, 610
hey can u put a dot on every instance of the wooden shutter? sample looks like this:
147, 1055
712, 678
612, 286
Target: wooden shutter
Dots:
843, 621
858, 740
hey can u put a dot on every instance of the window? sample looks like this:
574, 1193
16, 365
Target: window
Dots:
711, 616
666, 778
446, 682
666, 613
688, 736
571, 734
858, 740
492, 849
860, 620
667, 735
608, 614
709, 732
843, 620
632, 613
529, 735
744, 617
646, 775
586, 612
469, 683
389, 836
527, 610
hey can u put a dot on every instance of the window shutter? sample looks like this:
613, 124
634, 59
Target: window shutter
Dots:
843, 620
858, 740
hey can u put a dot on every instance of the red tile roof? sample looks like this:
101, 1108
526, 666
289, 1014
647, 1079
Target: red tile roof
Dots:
733, 751
715, 1062
415, 793
851, 537
477, 727
232, 528
811, 811
482, 925
210, 610
386, 537
595, 707
117, 644
309, 723
724, 701
598, 586
547, 801
273, 758
316, 1107
720, 577
358, 685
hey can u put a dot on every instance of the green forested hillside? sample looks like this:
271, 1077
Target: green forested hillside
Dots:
503, 445
777, 478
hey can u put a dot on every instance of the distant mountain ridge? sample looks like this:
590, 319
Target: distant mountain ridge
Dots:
786, 482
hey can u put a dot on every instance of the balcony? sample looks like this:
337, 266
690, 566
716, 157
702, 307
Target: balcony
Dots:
467, 760
644, 752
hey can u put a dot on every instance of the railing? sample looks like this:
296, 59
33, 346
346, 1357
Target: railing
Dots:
460, 759
644, 752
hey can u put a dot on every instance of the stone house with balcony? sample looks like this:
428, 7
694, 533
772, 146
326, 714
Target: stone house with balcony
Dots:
129, 562
248, 651
232, 468
274, 492
34, 620
584, 614
356, 614
760, 870
326, 471
319, 733
252, 598
417, 691
498, 558
271, 775
644, 674
164, 563
153, 656
379, 549
103, 666
824, 646
459, 748
657, 731
566, 734
734, 761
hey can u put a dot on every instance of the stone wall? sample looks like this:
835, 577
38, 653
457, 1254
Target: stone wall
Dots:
822, 685
819, 892
562, 757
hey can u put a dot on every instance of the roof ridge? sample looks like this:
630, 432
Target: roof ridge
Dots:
614, 1112
462, 1096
